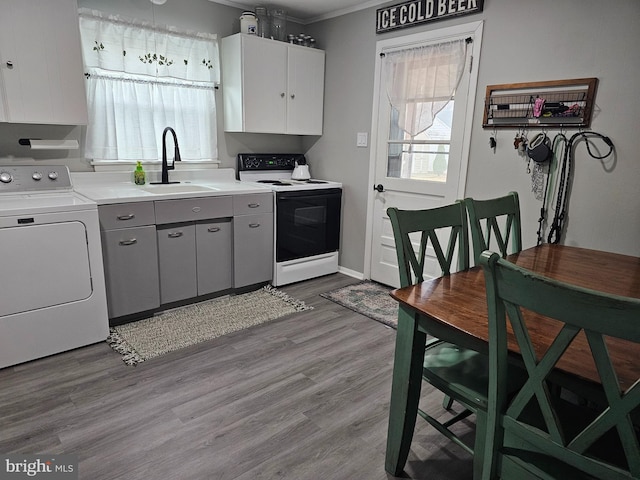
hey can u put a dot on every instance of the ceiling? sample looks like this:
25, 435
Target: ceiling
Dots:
307, 11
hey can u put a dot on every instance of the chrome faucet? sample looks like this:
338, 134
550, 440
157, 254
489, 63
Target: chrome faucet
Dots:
176, 156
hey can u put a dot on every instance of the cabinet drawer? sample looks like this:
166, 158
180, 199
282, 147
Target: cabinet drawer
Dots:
124, 215
253, 203
192, 209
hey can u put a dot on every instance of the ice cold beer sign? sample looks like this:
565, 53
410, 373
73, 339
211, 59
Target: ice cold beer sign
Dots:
408, 14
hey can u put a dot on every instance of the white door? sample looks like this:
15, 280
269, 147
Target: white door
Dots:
424, 171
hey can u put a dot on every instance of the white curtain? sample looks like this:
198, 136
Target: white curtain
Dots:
420, 81
142, 78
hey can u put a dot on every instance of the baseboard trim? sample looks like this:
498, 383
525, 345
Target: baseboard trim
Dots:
351, 273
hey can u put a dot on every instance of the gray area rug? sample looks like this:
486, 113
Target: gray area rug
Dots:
368, 298
185, 326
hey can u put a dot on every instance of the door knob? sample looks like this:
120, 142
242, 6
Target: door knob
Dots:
379, 188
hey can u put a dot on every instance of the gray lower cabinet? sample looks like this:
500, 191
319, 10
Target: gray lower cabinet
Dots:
159, 252
194, 259
252, 239
214, 255
131, 270
177, 262
130, 253
194, 246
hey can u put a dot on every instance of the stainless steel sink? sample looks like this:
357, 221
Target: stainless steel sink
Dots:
176, 188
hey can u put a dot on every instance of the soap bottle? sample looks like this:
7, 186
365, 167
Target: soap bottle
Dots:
138, 175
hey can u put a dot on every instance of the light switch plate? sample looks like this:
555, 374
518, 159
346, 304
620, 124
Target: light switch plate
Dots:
361, 139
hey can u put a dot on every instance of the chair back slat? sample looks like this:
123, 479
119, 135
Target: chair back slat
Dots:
427, 223
493, 212
516, 297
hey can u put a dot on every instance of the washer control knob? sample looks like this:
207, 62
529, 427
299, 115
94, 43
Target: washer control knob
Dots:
5, 177
37, 176
53, 175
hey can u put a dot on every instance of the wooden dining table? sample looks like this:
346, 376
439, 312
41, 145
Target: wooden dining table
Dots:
454, 308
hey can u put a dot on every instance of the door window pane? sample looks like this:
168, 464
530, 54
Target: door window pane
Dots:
425, 156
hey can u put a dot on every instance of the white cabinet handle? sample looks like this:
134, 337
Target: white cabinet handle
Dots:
213, 229
126, 217
9, 64
126, 243
254, 225
175, 234
253, 205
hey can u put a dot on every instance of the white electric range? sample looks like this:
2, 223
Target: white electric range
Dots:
307, 216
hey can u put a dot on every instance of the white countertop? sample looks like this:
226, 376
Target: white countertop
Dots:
118, 187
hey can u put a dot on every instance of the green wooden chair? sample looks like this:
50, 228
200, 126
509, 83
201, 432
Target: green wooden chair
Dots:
459, 373
535, 434
501, 218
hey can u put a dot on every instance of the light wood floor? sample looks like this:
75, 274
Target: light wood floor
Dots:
302, 397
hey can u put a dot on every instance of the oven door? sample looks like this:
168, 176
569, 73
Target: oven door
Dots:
307, 223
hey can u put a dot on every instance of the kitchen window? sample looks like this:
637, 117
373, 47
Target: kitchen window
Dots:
142, 78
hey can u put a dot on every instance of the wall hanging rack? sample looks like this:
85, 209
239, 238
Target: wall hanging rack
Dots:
556, 103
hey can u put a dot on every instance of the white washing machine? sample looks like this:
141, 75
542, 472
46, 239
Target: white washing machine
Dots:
52, 289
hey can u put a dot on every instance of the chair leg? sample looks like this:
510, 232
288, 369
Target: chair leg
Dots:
405, 391
447, 402
479, 444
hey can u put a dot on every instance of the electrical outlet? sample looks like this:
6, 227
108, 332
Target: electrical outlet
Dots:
361, 139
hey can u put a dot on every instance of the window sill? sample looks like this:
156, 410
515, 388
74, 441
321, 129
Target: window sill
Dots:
128, 165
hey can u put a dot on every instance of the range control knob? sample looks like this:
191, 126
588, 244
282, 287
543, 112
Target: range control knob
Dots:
37, 176
5, 177
53, 175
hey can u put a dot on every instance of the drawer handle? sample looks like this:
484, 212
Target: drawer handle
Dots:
126, 217
254, 225
196, 209
253, 205
126, 243
213, 229
175, 234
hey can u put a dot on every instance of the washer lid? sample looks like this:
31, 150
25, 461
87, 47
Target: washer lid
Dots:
26, 204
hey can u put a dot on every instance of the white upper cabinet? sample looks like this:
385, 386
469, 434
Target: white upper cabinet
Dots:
41, 73
271, 87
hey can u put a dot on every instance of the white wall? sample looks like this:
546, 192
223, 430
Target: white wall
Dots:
523, 41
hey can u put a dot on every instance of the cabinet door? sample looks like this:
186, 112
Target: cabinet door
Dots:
214, 253
264, 85
305, 99
177, 262
41, 63
253, 249
131, 270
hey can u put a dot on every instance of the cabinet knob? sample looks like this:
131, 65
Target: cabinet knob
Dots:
175, 234
213, 229
253, 205
293, 95
254, 225
282, 94
9, 64
131, 216
126, 243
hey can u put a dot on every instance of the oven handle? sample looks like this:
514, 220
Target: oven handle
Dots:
314, 194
